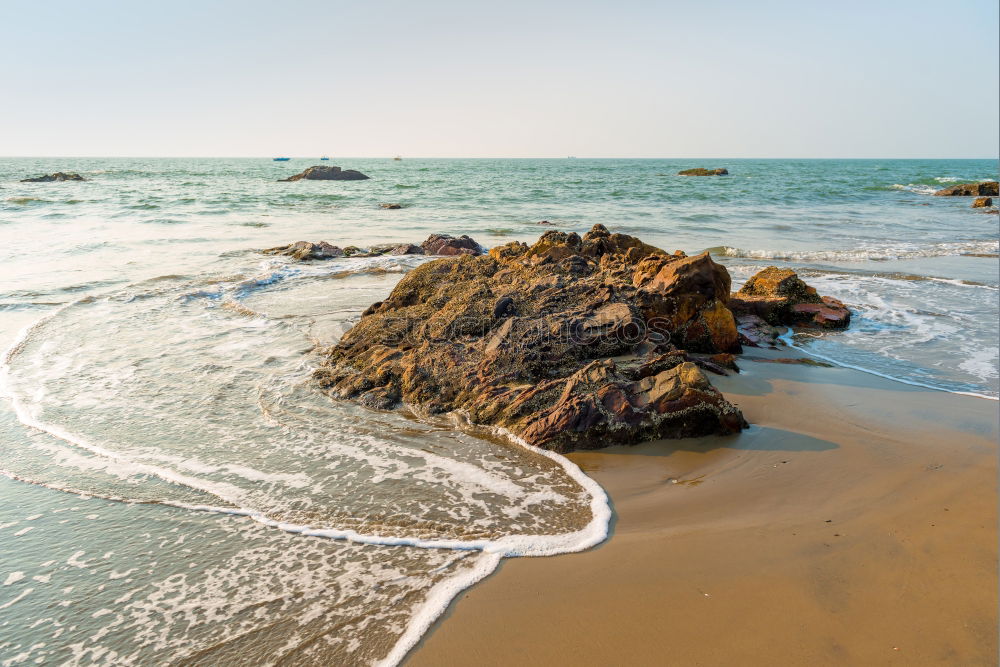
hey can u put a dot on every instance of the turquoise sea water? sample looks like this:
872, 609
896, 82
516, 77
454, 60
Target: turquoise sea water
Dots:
157, 396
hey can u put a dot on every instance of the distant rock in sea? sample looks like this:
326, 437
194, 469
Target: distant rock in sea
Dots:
570, 343
58, 176
982, 202
391, 206
327, 173
984, 189
701, 171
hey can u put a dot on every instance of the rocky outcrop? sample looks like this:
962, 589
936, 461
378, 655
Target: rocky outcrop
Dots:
982, 202
568, 343
58, 176
701, 171
391, 206
984, 189
436, 244
443, 244
326, 173
779, 296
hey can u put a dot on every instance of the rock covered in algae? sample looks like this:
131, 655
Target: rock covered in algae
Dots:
701, 171
307, 250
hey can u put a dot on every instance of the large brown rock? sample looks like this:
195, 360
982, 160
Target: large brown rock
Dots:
326, 173
58, 176
779, 296
566, 343
984, 189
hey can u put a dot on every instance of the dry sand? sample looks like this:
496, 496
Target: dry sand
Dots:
854, 524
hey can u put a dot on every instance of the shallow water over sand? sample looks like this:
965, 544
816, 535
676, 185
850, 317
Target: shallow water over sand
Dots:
183, 394
186, 477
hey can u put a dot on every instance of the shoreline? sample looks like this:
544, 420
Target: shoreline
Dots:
854, 522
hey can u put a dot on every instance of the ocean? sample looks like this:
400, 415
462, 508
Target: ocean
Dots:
174, 488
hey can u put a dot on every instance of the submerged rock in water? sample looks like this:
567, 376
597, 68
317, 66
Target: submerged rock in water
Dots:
984, 189
779, 296
391, 206
982, 202
565, 343
325, 173
444, 244
307, 250
701, 171
58, 176
436, 244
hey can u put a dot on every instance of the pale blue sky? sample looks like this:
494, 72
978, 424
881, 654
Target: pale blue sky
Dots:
519, 79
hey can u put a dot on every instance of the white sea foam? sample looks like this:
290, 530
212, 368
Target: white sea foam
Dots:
436, 603
48, 364
13, 577
878, 253
918, 188
787, 339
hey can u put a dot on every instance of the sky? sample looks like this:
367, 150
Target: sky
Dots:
464, 78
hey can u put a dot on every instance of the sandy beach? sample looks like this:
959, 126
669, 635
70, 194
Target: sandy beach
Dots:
854, 523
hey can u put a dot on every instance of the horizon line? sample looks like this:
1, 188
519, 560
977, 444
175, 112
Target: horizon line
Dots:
487, 157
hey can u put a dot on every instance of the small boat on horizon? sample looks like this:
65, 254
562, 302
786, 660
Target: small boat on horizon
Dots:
282, 159
325, 157
397, 158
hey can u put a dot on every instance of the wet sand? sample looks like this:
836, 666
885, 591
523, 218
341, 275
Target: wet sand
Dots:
854, 524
